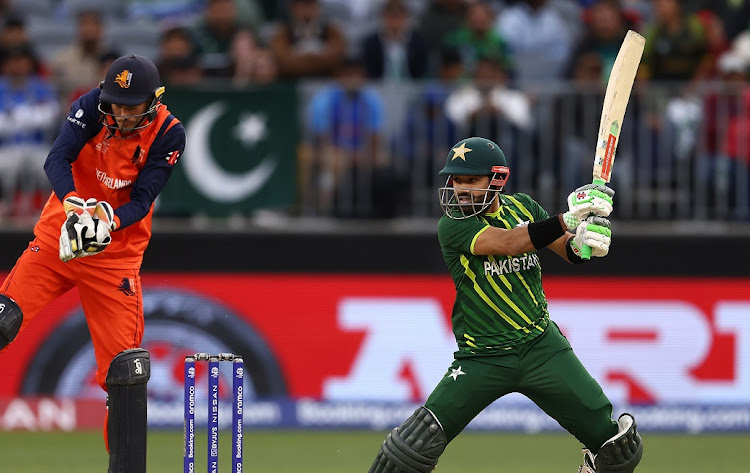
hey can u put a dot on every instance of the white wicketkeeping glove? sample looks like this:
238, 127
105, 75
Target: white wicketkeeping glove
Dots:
77, 226
86, 230
586, 201
595, 233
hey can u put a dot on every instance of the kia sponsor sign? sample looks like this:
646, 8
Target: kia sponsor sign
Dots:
362, 350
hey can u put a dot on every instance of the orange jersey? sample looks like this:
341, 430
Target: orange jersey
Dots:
127, 173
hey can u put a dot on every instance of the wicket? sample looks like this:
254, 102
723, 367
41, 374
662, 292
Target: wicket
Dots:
238, 368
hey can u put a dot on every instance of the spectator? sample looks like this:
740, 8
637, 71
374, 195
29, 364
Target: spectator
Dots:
213, 36
734, 173
14, 31
78, 65
251, 64
725, 125
177, 61
477, 37
395, 51
438, 19
176, 42
28, 111
482, 106
539, 38
605, 30
676, 48
306, 45
346, 118
105, 60
733, 15
427, 134
716, 39
14, 34
181, 71
574, 119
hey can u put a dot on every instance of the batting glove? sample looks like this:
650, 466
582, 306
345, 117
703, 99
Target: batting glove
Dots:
593, 232
586, 201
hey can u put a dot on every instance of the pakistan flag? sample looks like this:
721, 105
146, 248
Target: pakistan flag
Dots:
240, 154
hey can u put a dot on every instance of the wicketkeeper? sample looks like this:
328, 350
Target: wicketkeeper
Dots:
506, 340
113, 155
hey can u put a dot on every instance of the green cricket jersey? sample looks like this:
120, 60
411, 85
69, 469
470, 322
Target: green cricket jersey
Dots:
499, 299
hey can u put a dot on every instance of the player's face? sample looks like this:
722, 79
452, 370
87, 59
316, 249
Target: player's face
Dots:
472, 190
129, 116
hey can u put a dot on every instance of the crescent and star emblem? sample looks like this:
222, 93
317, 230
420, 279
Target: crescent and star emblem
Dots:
202, 169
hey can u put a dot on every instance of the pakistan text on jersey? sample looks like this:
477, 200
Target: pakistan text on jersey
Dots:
111, 182
76, 122
511, 265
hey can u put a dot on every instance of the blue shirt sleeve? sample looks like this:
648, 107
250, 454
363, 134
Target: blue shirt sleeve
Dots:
166, 149
81, 124
375, 111
318, 117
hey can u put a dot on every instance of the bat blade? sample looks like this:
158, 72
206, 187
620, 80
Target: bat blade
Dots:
615, 102
613, 111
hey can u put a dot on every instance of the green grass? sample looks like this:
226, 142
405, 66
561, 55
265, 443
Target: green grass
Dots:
338, 452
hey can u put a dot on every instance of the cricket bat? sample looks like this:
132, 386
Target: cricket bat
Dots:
613, 111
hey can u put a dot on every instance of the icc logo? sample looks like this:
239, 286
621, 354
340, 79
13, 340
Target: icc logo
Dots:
191, 372
214, 372
240, 372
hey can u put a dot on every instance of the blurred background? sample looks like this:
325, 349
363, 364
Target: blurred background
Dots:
299, 227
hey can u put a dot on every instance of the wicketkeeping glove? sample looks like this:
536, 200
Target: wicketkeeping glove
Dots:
71, 236
86, 230
593, 232
586, 201
106, 215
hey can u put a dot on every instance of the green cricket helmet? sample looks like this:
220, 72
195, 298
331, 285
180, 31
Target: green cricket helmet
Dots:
473, 157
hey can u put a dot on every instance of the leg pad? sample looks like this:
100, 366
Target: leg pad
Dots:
414, 447
11, 318
128, 374
623, 452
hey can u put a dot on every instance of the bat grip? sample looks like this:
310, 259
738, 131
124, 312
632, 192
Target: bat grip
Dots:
585, 249
586, 252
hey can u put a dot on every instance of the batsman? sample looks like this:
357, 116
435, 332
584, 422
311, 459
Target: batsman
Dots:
506, 340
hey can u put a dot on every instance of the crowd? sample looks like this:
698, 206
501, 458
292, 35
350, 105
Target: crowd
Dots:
478, 58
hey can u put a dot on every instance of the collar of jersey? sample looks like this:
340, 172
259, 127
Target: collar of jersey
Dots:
494, 214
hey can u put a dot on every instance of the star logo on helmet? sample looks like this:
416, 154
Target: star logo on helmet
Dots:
123, 79
460, 152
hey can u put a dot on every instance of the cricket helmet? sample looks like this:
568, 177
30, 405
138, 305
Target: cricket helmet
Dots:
473, 156
130, 80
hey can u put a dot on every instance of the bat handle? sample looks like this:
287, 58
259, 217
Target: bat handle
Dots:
586, 250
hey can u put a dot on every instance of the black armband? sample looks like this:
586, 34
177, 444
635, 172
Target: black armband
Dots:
545, 231
572, 255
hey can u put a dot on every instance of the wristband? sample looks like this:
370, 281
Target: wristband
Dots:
573, 257
545, 231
